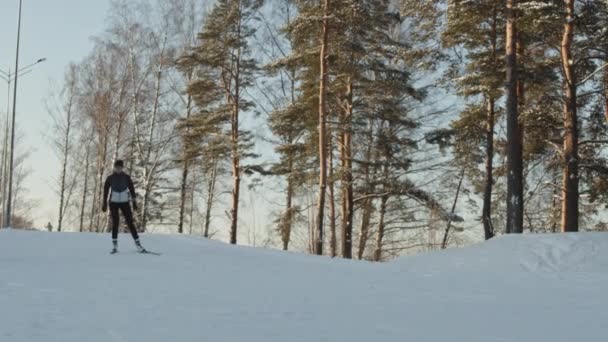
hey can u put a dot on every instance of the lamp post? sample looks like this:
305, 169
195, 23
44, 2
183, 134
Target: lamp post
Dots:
8, 77
8, 212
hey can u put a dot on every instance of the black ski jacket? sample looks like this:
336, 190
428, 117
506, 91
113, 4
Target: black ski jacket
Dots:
118, 182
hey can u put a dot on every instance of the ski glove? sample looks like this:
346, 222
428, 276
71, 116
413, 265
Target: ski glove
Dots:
135, 207
104, 207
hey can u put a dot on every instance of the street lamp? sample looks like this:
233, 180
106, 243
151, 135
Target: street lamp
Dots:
8, 213
8, 77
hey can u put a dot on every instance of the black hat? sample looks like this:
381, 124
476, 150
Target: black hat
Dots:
119, 163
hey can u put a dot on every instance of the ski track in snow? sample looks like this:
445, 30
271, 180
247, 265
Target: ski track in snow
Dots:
116, 337
65, 287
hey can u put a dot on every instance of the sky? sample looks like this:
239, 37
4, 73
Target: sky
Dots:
61, 31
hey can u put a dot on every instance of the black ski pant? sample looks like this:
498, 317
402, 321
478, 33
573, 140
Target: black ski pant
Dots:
128, 214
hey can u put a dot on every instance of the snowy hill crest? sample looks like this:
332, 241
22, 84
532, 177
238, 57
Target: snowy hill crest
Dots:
67, 288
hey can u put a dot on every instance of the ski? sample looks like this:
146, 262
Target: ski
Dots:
149, 252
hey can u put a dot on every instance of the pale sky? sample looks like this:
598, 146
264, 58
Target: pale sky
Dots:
59, 30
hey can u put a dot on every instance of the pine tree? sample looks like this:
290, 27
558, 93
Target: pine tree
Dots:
299, 123
294, 71
515, 199
223, 71
323, 92
476, 28
590, 48
570, 193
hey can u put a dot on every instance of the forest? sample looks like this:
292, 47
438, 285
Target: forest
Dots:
361, 129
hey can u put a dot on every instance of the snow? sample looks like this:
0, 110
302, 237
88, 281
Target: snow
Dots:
65, 287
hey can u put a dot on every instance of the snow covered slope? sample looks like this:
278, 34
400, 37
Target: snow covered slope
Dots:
67, 288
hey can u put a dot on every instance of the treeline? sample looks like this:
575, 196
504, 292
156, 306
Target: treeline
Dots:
378, 125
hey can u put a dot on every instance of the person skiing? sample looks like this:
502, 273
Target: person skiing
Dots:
122, 190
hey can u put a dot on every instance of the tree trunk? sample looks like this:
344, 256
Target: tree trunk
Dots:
145, 201
192, 198
117, 141
210, 197
286, 226
117, 138
606, 93
236, 159
182, 201
132, 149
236, 177
184, 180
85, 186
489, 179
236, 172
92, 228
446, 235
347, 175
367, 206
149, 167
514, 147
381, 228
98, 194
366, 217
322, 130
555, 205
64, 165
332, 202
570, 195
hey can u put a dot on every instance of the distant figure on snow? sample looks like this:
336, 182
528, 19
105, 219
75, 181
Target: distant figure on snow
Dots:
122, 191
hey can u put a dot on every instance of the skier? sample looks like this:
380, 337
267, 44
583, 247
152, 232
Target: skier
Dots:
122, 190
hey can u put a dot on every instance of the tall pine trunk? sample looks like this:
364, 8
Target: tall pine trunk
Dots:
367, 206
514, 147
210, 197
606, 93
322, 130
555, 204
366, 217
287, 224
488, 227
234, 136
489, 179
332, 203
570, 190
192, 200
381, 229
182, 197
347, 174
236, 175
185, 170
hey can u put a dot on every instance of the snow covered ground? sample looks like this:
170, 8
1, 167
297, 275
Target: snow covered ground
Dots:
67, 288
